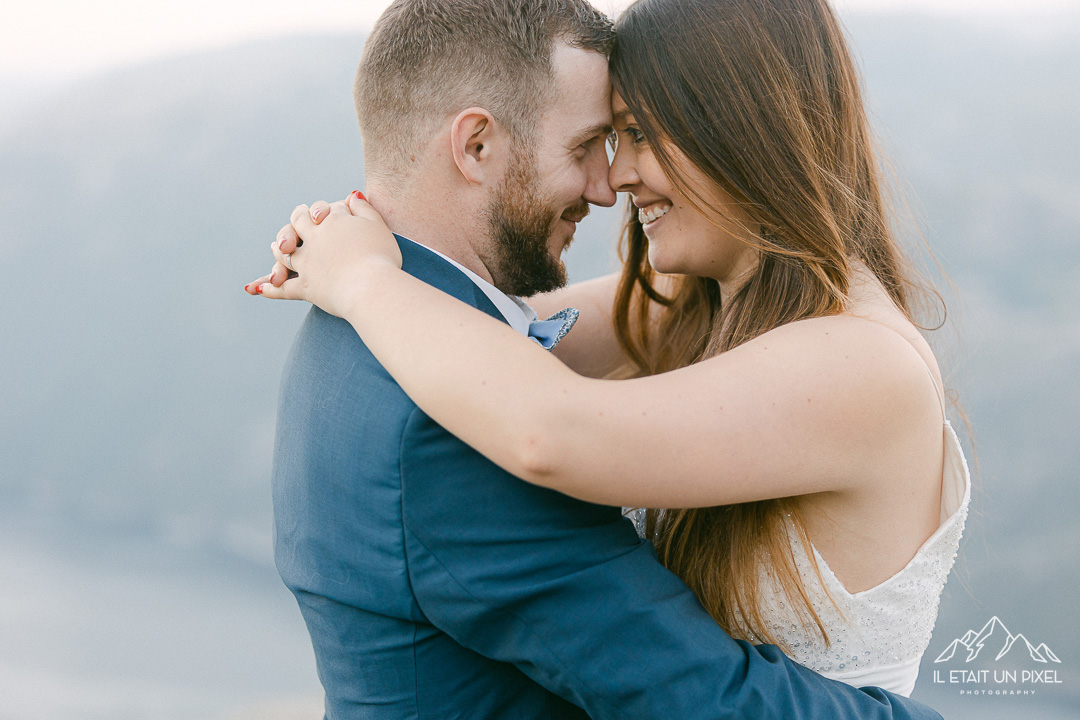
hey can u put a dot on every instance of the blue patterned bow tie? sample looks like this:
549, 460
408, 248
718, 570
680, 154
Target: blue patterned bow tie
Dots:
549, 332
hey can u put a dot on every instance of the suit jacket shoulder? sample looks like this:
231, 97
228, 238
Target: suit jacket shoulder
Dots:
340, 422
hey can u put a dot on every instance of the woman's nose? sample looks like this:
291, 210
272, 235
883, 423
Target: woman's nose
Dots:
622, 175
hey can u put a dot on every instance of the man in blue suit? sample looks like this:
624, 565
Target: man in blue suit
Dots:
434, 584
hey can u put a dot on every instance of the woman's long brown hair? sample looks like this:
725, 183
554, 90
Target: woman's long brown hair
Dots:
762, 96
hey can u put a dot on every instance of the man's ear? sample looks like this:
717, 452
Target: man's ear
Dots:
474, 142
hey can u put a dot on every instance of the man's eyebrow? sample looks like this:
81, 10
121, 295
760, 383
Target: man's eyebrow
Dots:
600, 129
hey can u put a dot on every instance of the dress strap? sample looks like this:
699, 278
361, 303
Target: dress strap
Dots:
937, 390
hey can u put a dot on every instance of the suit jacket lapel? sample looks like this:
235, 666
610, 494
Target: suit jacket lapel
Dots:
425, 265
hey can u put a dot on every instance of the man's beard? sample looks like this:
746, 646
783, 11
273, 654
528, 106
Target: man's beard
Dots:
521, 224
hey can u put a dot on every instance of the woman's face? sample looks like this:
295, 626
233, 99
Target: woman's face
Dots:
681, 239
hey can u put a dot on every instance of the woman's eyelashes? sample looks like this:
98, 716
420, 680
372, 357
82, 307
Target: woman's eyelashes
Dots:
632, 133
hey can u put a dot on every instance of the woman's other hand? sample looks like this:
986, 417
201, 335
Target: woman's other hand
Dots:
324, 252
287, 238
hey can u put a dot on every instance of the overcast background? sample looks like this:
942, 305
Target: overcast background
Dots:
57, 39
149, 151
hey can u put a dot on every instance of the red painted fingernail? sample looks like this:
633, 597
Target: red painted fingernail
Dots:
259, 289
359, 194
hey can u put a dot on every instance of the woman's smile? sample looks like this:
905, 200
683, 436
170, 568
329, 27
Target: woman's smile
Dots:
651, 214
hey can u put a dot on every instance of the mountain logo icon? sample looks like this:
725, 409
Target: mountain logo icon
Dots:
995, 635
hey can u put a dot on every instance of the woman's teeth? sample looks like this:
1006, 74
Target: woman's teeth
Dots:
653, 214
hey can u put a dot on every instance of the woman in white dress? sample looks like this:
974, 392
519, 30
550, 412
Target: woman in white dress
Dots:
774, 392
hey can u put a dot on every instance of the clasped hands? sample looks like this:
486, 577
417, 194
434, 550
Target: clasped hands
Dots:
324, 252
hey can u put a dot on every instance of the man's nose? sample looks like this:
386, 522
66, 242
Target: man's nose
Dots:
598, 191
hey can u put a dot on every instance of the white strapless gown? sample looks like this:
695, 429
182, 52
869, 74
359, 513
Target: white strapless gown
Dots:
877, 636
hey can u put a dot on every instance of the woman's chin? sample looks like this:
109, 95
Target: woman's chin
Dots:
665, 265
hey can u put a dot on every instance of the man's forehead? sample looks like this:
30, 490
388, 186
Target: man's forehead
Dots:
581, 75
599, 129
569, 60
581, 108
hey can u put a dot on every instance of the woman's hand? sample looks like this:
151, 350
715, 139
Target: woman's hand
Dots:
324, 253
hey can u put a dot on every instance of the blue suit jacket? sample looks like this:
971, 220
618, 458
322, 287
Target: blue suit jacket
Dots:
436, 586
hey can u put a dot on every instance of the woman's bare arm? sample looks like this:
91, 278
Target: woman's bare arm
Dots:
814, 406
591, 349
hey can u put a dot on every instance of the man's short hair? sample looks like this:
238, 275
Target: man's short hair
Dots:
426, 59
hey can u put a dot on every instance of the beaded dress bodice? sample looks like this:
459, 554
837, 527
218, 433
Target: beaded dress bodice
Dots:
877, 636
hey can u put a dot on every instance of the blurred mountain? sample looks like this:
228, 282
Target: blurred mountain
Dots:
141, 380
137, 205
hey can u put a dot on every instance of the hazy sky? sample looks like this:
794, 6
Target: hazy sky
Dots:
66, 38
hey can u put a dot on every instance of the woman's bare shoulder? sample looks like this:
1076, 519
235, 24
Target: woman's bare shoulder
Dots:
859, 362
